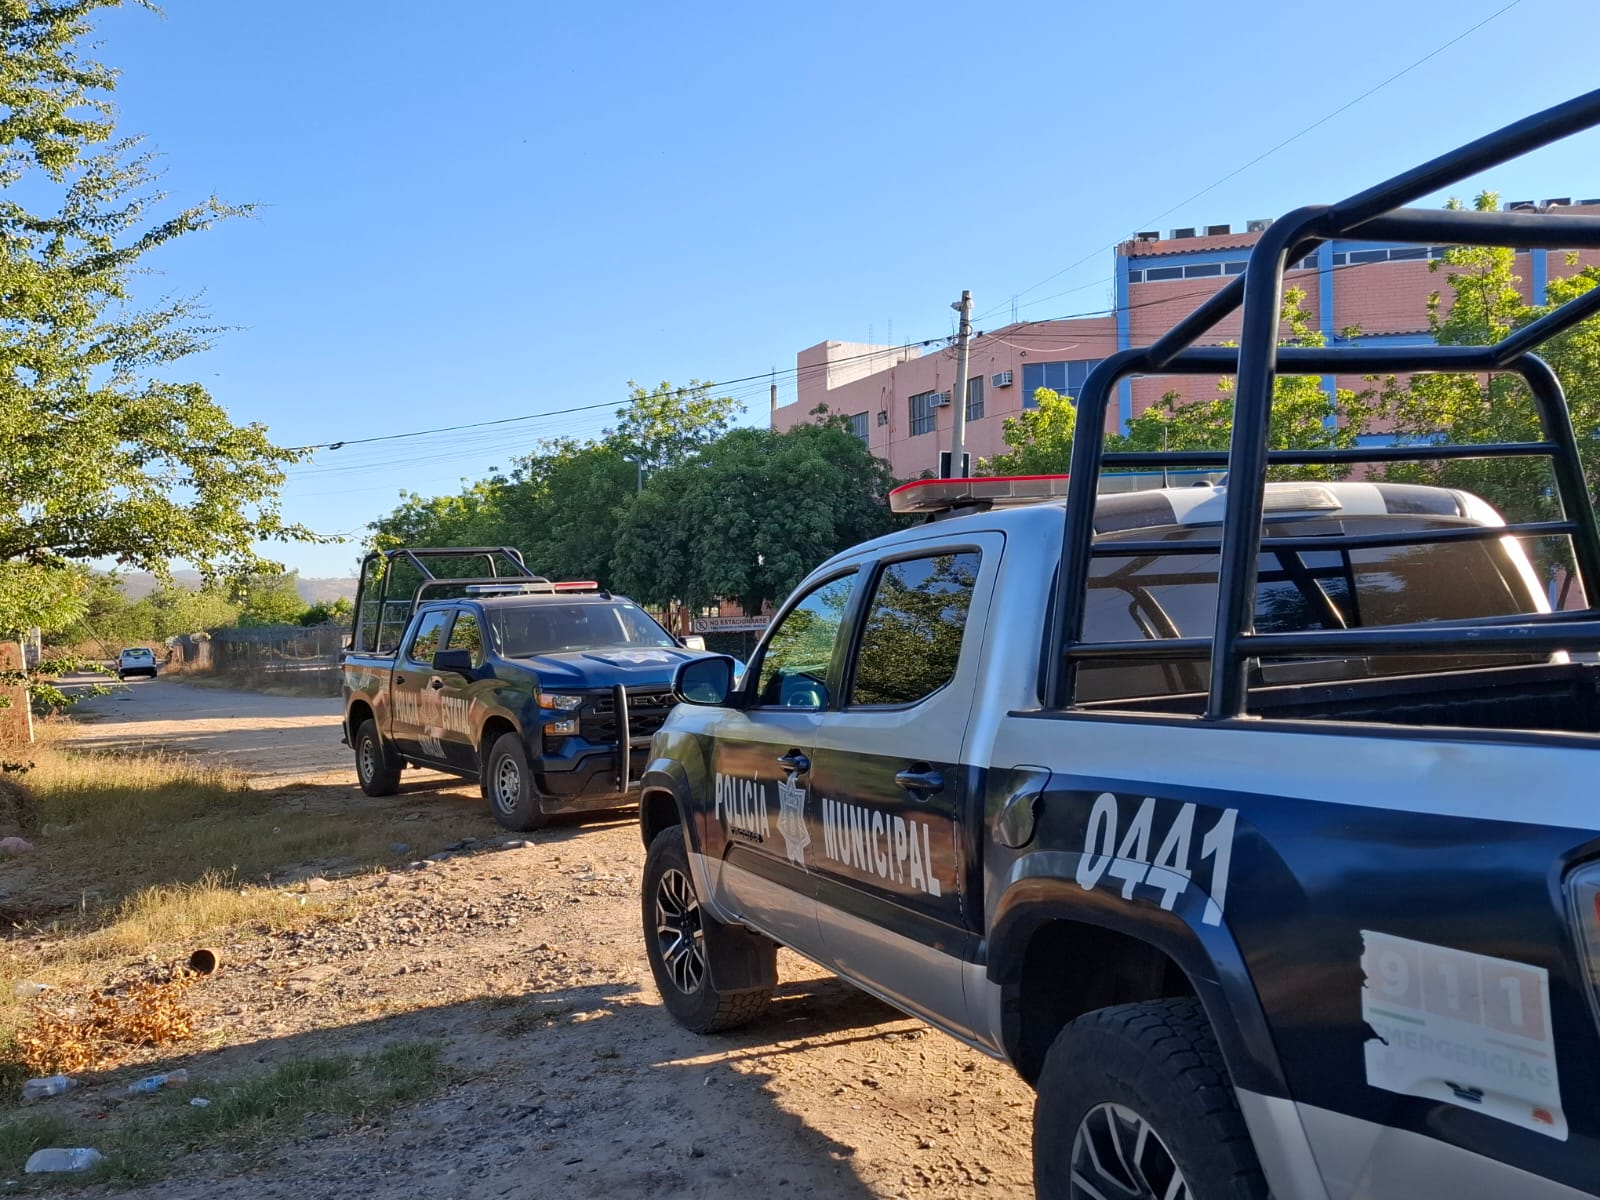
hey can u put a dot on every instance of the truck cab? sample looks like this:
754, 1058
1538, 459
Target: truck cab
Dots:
1253, 825
546, 693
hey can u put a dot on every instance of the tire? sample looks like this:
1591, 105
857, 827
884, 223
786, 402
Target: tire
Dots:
674, 941
377, 767
509, 787
1154, 1065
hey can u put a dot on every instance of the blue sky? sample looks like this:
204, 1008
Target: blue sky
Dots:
478, 211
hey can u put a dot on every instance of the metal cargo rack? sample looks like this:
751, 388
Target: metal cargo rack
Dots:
390, 615
1377, 213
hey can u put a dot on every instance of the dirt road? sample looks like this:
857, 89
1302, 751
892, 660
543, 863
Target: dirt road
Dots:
271, 738
527, 964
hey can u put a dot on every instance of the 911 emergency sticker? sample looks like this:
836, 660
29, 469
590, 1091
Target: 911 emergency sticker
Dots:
1466, 1029
1170, 871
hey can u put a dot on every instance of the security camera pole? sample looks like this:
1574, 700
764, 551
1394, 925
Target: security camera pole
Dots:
958, 427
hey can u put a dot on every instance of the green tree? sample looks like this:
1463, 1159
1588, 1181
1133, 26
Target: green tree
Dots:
103, 453
751, 514
110, 619
563, 503
268, 599
324, 612
1485, 303
664, 425
1040, 438
471, 517
172, 610
1304, 417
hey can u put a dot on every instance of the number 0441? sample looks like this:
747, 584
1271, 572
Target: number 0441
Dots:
1127, 858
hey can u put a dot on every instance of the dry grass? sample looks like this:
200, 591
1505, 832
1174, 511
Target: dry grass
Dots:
149, 856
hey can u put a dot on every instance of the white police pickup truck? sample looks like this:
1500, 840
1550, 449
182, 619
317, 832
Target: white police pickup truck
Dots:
1256, 826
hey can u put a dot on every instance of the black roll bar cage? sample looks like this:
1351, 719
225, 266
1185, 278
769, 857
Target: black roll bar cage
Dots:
500, 563
1375, 213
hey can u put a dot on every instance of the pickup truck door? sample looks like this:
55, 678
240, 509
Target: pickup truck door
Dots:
761, 762
453, 690
895, 856
411, 699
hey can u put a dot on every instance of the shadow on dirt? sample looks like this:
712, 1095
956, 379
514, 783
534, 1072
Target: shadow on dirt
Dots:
580, 1091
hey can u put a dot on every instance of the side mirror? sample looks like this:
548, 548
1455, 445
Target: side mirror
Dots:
459, 661
692, 641
706, 681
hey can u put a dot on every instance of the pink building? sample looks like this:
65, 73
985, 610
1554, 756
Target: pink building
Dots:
900, 398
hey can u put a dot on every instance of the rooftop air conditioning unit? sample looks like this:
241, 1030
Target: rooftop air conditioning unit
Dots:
1186, 232
940, 400
1218, 230
883, 417
1520, 205
1259, 225
1000, 379
1147, 235
1559, 202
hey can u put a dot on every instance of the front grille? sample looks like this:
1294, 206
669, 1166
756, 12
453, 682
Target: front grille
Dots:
647, 712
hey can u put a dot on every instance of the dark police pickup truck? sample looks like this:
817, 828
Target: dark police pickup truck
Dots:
1257, 825
463, 661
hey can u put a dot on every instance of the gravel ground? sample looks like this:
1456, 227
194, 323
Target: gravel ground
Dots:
568, 1078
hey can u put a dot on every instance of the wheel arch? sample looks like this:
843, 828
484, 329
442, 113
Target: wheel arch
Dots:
494, 727
360, 711
663, 799
1057, 952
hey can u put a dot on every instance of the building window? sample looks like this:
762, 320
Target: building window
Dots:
1156, 273
858, 425
1065, 378
922, 413
975, 397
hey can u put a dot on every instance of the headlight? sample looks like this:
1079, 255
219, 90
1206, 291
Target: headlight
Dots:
560, 701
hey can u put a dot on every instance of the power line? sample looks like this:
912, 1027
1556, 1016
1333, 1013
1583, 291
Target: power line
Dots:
1434, 53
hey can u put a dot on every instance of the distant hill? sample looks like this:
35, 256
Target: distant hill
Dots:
138, 584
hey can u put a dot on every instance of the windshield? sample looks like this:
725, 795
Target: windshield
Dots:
523, 631
137, 654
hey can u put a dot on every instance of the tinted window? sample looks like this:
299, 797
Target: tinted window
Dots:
526, 630
911, 639
465, 635
794, 665
426, 640
1164, 596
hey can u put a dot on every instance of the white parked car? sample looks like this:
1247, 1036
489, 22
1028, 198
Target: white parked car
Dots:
136, 660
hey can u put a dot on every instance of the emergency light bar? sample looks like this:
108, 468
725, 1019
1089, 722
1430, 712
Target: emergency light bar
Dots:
531, 585
942, 495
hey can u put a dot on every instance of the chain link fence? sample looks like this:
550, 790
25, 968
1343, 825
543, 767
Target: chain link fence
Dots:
292, 658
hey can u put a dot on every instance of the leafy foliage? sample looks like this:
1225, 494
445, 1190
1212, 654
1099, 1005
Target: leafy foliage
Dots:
751, 514
1486, 304
1304, 417
102, 453
267, 599
563, 503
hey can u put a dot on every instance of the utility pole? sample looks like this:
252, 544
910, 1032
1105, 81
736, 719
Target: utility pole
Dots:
958, 427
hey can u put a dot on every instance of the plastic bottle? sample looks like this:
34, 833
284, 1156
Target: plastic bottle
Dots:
50, 1085
79, 1159
154, 1083
28, 989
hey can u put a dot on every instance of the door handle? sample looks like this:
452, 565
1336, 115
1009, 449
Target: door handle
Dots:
794, 761
924, 780
436, 682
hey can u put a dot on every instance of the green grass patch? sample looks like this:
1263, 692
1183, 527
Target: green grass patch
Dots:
247, 1114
